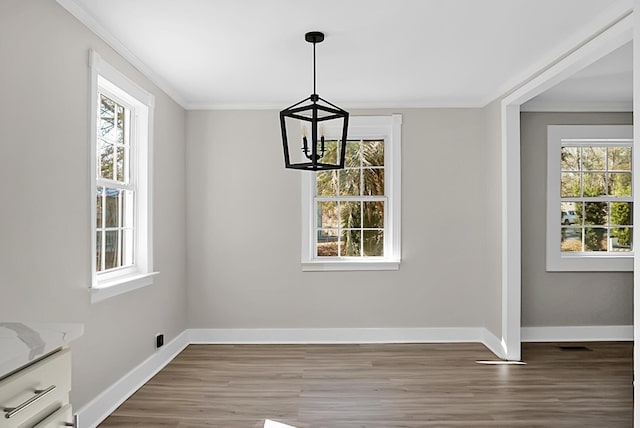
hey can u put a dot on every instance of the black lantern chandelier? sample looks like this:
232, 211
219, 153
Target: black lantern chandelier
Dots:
312, 117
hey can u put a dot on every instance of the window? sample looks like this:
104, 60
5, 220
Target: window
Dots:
589, 188
351, 217
121, 116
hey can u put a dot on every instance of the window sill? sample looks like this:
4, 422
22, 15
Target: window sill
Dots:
349, 265
590, 263
117, 286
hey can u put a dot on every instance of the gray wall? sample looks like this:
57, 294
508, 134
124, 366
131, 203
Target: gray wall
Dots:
44, 179
562, 298
244, 230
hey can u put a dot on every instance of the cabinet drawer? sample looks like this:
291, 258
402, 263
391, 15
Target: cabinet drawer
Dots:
61, 418
33, 393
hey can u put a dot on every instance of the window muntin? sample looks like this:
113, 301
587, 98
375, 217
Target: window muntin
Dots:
115, 192
350, 203
589, 184
596, 204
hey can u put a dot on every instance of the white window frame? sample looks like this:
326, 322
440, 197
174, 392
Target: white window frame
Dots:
388, 128
106, 79
567, 261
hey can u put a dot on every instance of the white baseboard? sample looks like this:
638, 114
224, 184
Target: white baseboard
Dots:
94, 412
578, 333
336, 335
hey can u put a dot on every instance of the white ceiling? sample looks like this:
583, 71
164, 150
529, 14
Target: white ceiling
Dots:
377, 53
606, 85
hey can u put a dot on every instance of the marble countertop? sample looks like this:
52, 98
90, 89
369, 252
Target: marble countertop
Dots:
25, 342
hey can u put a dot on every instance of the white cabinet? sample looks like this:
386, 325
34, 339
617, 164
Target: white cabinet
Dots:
61, 418
38, 395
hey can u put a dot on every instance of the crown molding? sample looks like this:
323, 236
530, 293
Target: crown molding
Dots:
467, 103
93, 25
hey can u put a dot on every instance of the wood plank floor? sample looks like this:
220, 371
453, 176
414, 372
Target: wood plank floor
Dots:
384, 386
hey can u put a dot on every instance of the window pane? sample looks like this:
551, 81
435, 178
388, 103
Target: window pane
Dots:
620, 158
98, 251
349, 182
593, 158
621, 239
120, 125
620, 184
99, 191
373, 244
105, 121
373, 181
373, 153
570, 239
593, 184
352, 157
569, 185
120, 248
112, 207
111, 122
570, 159
595, 213
120, 163
595, 239
327, 183
330, 152
327, 245
622, 213
350, 243
373, 214
569, 215
579, 211
327, 214
105, 158
350, 215
111, 249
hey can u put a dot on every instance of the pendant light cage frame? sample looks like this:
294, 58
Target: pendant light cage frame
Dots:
315, 113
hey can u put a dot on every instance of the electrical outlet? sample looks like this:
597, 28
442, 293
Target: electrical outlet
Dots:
159, 340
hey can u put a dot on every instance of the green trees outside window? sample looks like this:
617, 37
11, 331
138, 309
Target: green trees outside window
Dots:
596, 199
350, 203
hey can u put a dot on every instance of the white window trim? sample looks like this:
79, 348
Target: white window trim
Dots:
120, 281
361, 127
556, 260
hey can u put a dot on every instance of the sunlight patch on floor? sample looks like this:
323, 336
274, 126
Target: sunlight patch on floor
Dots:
501, 362
268, 423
